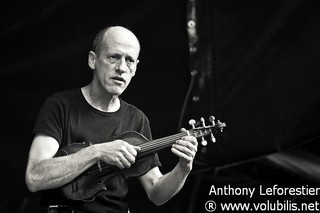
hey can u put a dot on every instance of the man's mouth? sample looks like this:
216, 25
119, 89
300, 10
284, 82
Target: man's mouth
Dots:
118, 79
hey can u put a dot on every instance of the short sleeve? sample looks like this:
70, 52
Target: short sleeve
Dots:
50, 118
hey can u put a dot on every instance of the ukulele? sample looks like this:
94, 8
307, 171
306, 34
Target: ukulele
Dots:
90, 182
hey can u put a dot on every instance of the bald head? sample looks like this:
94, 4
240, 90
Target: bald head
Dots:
114, 34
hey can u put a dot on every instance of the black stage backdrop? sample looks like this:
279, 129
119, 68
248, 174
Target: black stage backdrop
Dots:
257, 70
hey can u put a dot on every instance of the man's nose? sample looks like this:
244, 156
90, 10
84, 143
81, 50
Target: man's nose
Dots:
122, 65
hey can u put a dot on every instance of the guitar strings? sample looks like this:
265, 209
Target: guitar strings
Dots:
161, 142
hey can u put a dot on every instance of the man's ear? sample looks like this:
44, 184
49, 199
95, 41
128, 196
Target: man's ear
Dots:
92, 60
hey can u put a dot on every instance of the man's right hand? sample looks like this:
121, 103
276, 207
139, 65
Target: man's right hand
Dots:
118, 153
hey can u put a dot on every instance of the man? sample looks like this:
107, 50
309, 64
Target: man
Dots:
96, 114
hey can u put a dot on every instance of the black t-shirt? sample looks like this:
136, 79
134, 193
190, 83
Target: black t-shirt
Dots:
67, 117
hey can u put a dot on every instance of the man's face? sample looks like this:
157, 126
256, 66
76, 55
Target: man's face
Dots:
116, 63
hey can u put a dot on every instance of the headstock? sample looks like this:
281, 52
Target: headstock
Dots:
204, 130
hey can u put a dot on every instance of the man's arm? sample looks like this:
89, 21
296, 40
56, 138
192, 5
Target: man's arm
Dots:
46, 172
160, 188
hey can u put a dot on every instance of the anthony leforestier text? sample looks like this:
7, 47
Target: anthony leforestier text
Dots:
229, 190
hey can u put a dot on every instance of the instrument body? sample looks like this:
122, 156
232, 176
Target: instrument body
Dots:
90, 182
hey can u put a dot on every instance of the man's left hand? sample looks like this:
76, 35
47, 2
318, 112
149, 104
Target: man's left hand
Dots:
186, 149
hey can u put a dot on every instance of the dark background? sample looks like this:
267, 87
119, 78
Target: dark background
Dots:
257, 68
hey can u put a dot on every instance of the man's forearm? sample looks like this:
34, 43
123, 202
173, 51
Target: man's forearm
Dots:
55, 172
169, 185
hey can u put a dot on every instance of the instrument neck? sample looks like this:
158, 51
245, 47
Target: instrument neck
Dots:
161, 143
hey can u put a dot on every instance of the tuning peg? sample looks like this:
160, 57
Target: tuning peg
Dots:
213, 139
204, 142
211, 119
203, 121
192, 122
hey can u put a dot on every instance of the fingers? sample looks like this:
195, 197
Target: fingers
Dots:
185, 154
186, 148
189, 142
137, 148
120, 153
127, 155
124, 162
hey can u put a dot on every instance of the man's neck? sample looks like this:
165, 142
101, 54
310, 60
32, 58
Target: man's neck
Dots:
102, 102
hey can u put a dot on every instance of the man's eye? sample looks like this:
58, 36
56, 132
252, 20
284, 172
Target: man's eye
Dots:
112, 59
130, 61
